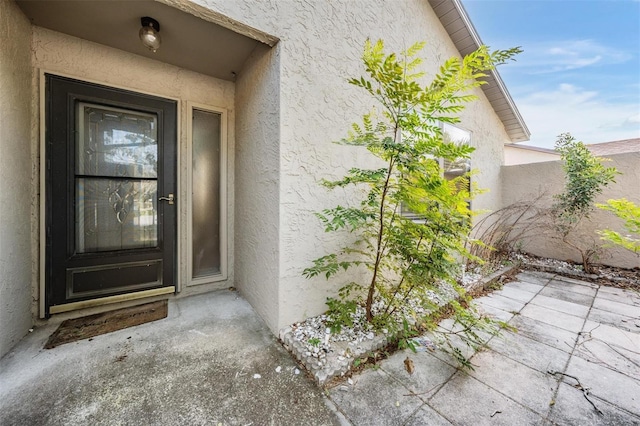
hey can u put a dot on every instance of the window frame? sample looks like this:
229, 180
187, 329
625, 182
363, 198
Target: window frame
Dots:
223, 194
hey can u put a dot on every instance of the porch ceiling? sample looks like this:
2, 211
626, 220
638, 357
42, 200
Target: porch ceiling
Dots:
187, 40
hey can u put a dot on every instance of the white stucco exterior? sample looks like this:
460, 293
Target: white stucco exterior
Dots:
286, 106
527, 181
16, 170
258, 182
320, 46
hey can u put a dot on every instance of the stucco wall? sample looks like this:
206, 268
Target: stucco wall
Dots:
258, 182
70, 56
524, 182
321, 43
15, 173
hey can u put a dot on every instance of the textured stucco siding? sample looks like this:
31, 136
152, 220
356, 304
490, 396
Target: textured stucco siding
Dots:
258, 182
320, 46
15, 173
59, 53
526, 181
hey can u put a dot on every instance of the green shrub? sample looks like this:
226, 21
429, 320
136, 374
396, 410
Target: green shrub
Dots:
629, 212
413, 261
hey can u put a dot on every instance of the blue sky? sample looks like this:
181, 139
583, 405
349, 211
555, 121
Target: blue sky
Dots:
580, 70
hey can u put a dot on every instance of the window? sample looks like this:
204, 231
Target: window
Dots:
451, 169
207, 193
454, 169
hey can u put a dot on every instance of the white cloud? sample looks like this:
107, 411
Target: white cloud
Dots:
566, 93
583, 113
636, 117
568, 55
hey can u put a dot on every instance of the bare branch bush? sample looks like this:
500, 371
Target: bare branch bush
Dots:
507, 230
503, 231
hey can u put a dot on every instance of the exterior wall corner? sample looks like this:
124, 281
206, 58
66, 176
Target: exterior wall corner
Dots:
16, 166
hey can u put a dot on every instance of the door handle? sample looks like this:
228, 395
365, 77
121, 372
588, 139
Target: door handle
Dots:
170, 198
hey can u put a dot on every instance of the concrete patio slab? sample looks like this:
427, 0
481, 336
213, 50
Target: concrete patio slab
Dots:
200, 365
627, 309
526, 286
524, 385
610, 356
455, 327
552, 317
539, 278
623, 322
496, 313
545, 333
586, 288
529, 352
427, 416
559, 279
375, 398
213, 361
614, 387
500, 302
571, 408
560, 305
466, 401
447, 324
456, 342
513, 381
515, 294
613, 335
429, 374
568, 295
630, 297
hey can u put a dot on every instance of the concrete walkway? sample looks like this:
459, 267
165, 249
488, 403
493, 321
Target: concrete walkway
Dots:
214, 362
567, 326
196, 367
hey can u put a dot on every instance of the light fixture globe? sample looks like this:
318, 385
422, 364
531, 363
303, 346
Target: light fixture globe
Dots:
150, 33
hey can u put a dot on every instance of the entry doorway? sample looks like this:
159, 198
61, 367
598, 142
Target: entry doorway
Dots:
110, 181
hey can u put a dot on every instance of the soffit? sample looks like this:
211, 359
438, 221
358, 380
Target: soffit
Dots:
464, 36
188, 41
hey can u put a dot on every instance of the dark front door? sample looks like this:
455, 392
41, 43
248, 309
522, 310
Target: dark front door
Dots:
110, 185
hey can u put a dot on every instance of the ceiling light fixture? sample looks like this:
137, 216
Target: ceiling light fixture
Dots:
150, 33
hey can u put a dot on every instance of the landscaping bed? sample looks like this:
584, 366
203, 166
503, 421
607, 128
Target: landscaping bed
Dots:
328, 355
604, 275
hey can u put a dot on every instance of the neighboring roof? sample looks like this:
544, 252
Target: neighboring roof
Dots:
517, 154
457, 23
604, 148
531, 148
615, 147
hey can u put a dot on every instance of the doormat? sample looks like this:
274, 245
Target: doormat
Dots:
75, 329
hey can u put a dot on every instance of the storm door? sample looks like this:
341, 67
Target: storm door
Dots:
111, 185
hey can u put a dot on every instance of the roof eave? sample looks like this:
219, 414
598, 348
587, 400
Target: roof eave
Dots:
511, 119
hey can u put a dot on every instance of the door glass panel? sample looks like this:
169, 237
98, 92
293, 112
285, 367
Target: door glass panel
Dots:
116, 179
116, 142
115, 214
206, 193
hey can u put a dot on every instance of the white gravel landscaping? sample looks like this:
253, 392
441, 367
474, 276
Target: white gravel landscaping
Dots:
326, 354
